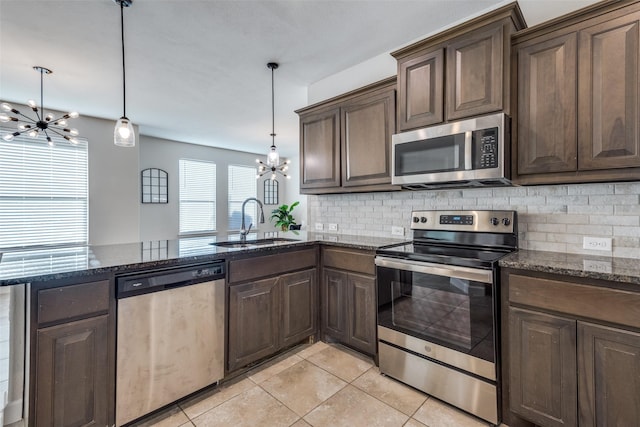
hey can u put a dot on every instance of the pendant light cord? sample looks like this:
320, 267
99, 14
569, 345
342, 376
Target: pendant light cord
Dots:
124, 79
273, 120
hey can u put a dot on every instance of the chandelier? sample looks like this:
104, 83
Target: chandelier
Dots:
42, 124
273, 164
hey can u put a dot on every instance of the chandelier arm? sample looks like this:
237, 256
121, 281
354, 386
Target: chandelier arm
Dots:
54, 131
27, 117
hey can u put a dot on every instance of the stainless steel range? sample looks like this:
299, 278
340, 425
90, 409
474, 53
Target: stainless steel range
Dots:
438, 306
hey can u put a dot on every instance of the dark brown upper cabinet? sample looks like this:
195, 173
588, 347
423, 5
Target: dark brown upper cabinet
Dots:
463, 71
320, 149
345, 142
423, 78
578, 97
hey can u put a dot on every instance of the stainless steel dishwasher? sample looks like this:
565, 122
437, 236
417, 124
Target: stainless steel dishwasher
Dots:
170, 336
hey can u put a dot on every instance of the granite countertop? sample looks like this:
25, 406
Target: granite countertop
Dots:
22, 266
624, 270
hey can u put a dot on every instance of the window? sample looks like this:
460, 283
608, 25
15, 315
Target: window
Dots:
197, 196
242, 184
43, 192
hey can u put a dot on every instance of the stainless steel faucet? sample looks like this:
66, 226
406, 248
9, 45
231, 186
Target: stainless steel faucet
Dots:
243, 230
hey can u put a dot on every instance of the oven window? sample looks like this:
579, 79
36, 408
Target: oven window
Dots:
452, 312
442, 154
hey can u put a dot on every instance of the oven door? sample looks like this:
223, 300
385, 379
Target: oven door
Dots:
447, 306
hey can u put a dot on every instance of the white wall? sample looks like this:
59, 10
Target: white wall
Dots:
113, 182
161, 221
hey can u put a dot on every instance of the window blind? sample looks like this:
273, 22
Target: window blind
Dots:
43, 192
197, 196
242, 185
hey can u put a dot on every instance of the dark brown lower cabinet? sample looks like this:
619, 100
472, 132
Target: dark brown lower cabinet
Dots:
72, 375
609, 376
72, 363
543, 367
270, 314
254, 311
572, 351
349, 309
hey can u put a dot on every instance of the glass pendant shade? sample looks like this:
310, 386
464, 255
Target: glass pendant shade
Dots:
273, 158
123, 135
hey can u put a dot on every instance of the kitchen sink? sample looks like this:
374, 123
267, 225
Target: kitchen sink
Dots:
254, 243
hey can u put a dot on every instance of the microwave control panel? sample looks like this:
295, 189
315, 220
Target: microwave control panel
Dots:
485, 148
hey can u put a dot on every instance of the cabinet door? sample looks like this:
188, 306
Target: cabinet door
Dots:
361, 310
609, 102
299, 303
547, 121
320, 149
475, 73
72, 374
254, 316
609, 376
367, 124
421, 91
334, 304
542, 366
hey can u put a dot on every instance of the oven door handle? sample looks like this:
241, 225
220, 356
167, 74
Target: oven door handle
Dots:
474, 274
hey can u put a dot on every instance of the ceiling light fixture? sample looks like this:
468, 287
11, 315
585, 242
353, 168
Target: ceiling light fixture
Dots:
42, 124
123, 135
273, 164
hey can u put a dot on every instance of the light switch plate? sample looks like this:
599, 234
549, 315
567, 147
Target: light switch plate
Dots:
333, 227
597, 266
597, 243
319, 226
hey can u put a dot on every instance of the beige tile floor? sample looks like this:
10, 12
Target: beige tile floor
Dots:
313, 385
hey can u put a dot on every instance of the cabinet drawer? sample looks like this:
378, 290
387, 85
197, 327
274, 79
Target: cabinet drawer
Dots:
271, 265
68, 302
599, 303
351, 260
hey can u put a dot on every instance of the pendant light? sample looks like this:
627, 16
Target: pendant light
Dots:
273, 164
42, 124
124, 135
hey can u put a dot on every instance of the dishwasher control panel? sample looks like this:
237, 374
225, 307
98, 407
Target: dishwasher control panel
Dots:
157, 280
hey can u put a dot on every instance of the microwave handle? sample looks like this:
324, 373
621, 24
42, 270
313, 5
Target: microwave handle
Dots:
468, 150
465, 273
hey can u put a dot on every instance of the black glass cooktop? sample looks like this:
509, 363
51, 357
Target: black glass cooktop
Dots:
450, 255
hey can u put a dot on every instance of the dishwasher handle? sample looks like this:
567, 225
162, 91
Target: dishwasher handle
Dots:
153, 281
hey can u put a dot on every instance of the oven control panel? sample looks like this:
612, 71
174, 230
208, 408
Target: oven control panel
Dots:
456, 219
480, 221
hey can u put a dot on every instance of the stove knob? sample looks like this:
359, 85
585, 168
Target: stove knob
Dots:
416, 219
494, 221
506, 221
423, 219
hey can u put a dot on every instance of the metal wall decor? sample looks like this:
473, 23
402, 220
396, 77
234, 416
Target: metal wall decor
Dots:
271, 192
155, 186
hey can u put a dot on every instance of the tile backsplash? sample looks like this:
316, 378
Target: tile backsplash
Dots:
550, 218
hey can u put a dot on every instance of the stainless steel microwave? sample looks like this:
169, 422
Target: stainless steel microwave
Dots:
473, 152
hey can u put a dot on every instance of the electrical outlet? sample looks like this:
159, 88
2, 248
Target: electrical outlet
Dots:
333, 227
397, 231
597, 266
319, 226
597, 243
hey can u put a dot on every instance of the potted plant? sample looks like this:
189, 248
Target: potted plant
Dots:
282, 216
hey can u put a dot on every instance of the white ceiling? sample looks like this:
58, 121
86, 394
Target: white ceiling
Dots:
196, 69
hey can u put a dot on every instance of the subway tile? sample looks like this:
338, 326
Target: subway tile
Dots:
590, 189
565, 238
510, 191
627, 188
627, 209
590, 230
624, 199
528, 201
548, 209
546, 246
550, 190
567, 200
541, 237
570, 219
548, 228
626, 241
626, 231
615, 220
590, 209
